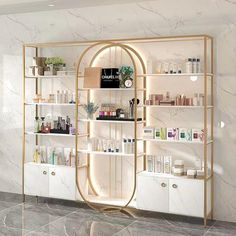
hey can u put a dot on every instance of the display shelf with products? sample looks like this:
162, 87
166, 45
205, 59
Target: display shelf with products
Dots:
116, 93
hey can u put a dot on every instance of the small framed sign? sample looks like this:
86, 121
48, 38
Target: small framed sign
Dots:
110, 78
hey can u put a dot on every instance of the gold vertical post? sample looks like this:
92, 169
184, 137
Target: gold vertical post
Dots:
205, 131
212, 129
23, 130
36, 91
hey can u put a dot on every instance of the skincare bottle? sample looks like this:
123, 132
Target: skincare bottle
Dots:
198, 66
194, 65
53, 157
124, 145
58, 97
150, 163
133, 146
201, 99
73, 158
167, 164
188, 66
159, 164
129, 147
36, 125
195, 99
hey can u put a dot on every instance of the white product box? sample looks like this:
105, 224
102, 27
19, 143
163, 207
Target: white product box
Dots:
197, 135
182, 134
157, 133
170, 134
175, 133
189, 135
148, 132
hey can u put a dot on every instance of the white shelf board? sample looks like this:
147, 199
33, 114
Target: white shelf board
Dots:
50, 134
163, 175
111, 121
110, 201
50, 104
47, 165
111, 89
50, 76
175, 75
183, 107
109, 153
170, 141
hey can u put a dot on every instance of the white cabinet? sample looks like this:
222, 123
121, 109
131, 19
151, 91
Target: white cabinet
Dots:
62, 182
36, 179
186, 197
152, 193
170, 194
46, 180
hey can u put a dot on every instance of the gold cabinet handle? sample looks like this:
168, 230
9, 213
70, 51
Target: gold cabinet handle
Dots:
53, 173
44, 172
163, 185
174, 185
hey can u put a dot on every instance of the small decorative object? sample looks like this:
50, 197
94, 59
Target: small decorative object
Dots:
55, 64
126, 72
90, 108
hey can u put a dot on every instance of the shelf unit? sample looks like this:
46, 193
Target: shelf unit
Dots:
128, 45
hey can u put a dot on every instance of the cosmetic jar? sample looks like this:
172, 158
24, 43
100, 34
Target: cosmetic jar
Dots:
179, 164
191, 174
178, 171
200, 174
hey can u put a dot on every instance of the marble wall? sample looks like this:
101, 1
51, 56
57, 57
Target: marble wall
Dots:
142, 19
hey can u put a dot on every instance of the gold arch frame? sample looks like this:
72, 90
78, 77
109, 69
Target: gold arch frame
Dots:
127, 49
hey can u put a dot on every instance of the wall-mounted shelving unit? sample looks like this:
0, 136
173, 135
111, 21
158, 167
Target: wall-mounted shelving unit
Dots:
155, 192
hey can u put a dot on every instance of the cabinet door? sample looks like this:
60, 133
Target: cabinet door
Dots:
36, 180
186, 197
152, 193
62, 182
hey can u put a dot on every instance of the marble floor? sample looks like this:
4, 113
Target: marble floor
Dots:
57, 218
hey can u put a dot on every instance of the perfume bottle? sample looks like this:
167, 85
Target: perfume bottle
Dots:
42, 124
36, 125
36, 155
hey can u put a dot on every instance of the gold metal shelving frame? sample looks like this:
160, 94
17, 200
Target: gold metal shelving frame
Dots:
125, 44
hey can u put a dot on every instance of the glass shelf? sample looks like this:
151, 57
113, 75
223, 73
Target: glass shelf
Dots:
112, 121
50, 76
111, 89
175, 75
183, 107
54, 134
109, 153
172, 141
50, 104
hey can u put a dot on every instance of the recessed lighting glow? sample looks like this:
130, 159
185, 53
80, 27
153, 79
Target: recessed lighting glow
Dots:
222, 124
51, 5
193, 78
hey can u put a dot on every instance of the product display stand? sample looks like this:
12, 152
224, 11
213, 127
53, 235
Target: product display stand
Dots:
141, 79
